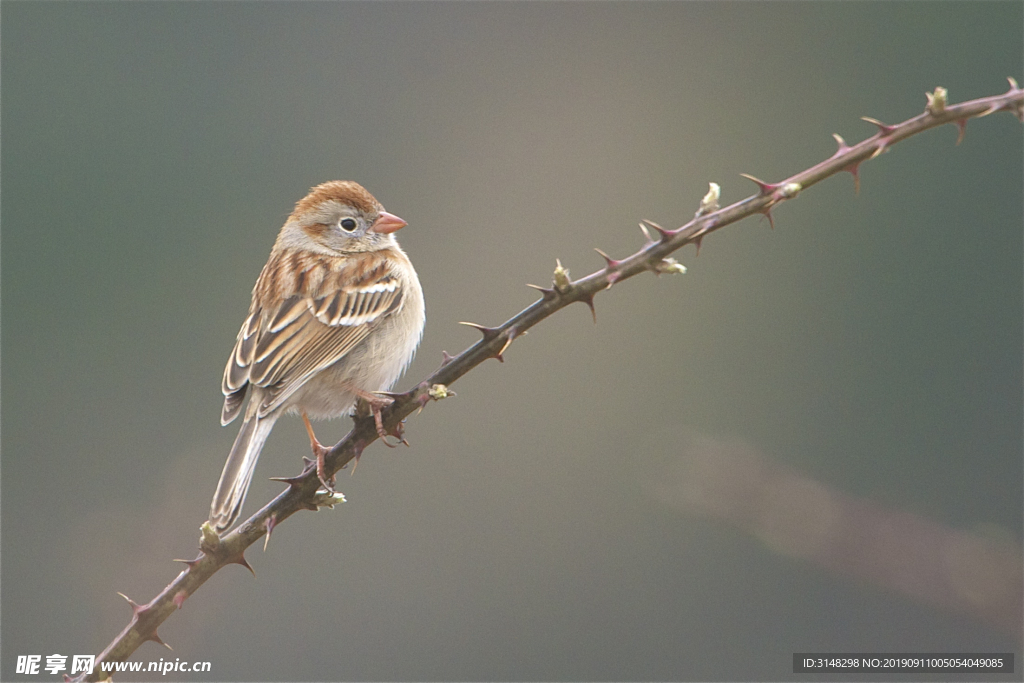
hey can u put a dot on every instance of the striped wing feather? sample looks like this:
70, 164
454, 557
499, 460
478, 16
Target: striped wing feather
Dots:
281, 348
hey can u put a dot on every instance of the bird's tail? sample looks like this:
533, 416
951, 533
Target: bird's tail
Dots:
234, 480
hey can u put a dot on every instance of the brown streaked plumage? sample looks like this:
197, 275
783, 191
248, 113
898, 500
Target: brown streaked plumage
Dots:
344, 191
336, 314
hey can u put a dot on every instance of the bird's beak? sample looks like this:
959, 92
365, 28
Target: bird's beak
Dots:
387, 222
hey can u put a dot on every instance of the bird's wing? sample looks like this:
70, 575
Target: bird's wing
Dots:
280, 348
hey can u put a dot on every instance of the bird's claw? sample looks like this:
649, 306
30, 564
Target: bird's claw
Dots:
377, 401
327, 483
398, 432
320, 451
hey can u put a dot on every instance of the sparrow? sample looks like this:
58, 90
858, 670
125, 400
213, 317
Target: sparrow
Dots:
336, 315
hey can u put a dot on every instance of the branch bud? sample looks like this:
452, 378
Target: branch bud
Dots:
325, 498
937, 101
561, 279
669, 265
710, 201
209, 542
440, 391
790, 190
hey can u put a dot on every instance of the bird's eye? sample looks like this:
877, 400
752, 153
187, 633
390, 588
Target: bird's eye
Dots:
348, 224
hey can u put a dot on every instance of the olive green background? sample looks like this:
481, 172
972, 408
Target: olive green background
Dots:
150, 152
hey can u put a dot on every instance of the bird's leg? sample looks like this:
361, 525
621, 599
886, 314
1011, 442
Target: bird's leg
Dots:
376, 402
320, 451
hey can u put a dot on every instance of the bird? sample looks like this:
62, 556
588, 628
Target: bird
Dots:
336, 315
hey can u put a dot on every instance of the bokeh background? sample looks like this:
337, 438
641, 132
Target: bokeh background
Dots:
545, 524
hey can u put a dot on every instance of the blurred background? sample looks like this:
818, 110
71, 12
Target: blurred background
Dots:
809, 442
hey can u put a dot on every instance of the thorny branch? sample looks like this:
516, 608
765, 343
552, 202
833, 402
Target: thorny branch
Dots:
304, 492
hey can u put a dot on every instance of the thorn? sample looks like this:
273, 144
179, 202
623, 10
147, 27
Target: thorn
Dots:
357, 449
961, 125
765, 188
546, 291
488, 332
697, 241
293, 482
768, 212
156, 639
179, 598
270, 523
663, 234
136, 607
393, 395
854, 170
612, 263
190, 563
423, 399
446, 358
843, 147
308, 464
242, 561
883, 129
589, 301
508, 342
996, 107
1016, 108
613, 275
